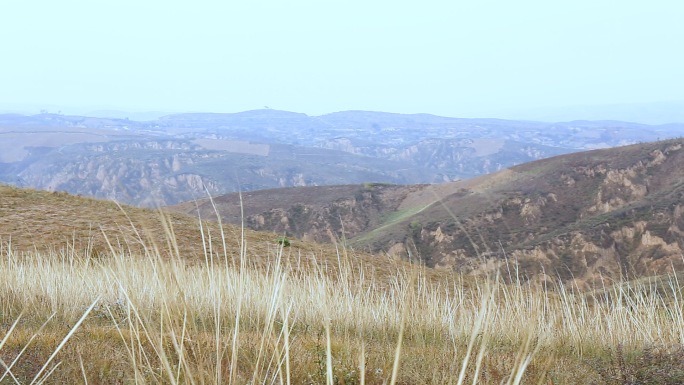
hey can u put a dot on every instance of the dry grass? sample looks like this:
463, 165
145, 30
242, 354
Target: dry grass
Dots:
159, 320
147, 314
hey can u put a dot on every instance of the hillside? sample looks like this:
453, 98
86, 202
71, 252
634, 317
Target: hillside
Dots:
316, 213
32, 220
586, 216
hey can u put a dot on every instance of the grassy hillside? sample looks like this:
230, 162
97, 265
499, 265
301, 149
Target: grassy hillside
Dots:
32, 220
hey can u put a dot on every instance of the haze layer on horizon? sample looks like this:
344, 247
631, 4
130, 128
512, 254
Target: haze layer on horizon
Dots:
526, 59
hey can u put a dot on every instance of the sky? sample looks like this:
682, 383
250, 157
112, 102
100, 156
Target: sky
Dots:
482, 58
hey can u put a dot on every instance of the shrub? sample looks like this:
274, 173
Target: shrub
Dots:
415, 226
285, 241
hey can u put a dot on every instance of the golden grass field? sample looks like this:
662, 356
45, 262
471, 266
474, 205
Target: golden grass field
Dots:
241, 309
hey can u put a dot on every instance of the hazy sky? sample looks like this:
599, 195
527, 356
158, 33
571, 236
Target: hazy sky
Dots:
455, 58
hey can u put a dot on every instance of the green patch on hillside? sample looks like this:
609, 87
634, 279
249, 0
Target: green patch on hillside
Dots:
388, 220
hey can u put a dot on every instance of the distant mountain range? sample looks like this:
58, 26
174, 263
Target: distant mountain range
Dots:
177, 157
652, 113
